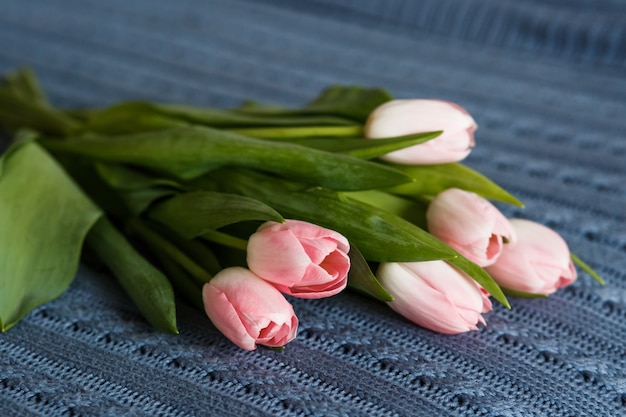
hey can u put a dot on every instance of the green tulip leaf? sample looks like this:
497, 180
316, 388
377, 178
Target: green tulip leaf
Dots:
24, 83
430, 180
410, 210
361, 278
481, 277
138, 116
190, 152
22, 137
521, 294
582, 265
350, 101
138, 201
238, 119
23, 105
149, 289
196, 213
44, 218
125, 178
380, 235
364, 148
129, 117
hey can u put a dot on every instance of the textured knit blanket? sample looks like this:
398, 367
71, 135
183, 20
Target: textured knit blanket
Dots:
546, 82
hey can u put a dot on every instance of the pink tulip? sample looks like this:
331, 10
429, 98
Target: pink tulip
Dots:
470, 224
435, 295
538, 263
249, 310
404, 117
300, 258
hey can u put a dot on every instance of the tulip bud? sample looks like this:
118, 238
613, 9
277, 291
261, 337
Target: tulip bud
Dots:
405, 117
435, 295
538, 263
249, 310
470, 224
301, 259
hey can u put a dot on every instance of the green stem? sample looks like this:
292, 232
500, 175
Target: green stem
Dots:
158, 243
194, 249
225, 239
183, 284
291, 132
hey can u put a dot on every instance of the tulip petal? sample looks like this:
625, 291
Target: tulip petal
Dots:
318, 249
433, 295
300, 258
225, 318
248, 310
403, 117
538, 262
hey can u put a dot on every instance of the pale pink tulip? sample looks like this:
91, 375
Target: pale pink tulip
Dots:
538, 263
301, 259
435, 295
249, 310
470, 224
404, 117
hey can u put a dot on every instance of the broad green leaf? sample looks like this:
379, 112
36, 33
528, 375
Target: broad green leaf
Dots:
430, 180
196, 213
149, 289
381, 236
44, 218
481, 277
22, 137
361, 278
190, 152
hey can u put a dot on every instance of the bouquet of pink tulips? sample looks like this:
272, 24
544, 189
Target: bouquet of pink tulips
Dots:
238, 210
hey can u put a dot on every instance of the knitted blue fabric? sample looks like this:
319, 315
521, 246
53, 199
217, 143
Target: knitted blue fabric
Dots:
546, 82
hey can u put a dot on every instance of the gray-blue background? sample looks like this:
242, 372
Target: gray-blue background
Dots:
546, 82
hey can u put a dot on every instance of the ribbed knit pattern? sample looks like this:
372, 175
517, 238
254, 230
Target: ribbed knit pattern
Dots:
546, 82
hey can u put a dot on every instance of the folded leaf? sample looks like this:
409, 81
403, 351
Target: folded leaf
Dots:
190, 152
361, 278
149, 289
196, 213
44, 218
